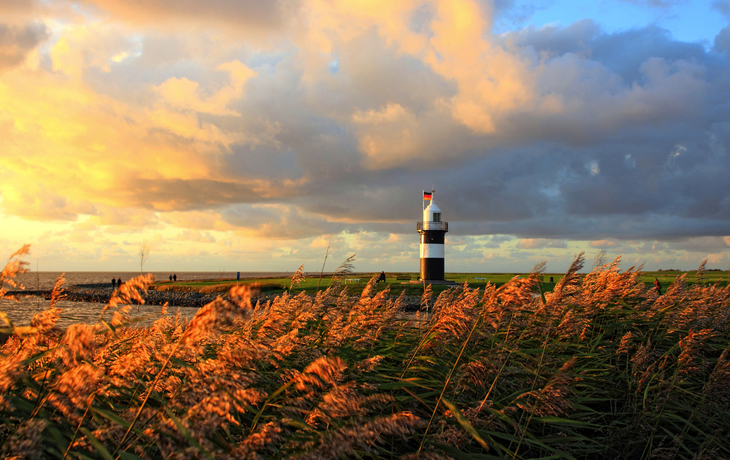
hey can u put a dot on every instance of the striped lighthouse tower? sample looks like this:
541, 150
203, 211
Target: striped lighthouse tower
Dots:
432, 231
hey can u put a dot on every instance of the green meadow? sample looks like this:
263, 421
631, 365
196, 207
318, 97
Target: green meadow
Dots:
355, 282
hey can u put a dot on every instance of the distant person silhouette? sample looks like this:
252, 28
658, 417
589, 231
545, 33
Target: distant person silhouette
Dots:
170, 277
381, 277
238, 276
114, 283
119, 282
551, 279
658, 286
174, 277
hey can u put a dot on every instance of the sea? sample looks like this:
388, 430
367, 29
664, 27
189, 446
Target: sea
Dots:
20, 312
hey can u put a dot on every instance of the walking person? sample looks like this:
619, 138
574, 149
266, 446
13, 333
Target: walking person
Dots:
658, 286
114, 283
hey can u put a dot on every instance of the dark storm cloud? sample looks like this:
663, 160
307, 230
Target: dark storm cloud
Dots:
723, 6
707, 244
623, 53
623, 188
722, 40
510, 12
16, 42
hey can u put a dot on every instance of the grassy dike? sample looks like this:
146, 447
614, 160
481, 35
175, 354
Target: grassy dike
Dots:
357, 281
601, 367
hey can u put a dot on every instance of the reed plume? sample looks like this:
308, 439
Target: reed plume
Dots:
602, 367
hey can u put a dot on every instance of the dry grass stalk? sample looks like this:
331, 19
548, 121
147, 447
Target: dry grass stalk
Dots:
24, 443
345, 268
568, 285
362, 437
336, 375
453, 318
625, 344
552, 398
297, 278
718, 383
691, 346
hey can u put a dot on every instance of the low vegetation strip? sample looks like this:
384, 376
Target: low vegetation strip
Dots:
217, 288
601, 367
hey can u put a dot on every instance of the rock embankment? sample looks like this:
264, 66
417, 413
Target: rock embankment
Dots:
151, 297
102, 293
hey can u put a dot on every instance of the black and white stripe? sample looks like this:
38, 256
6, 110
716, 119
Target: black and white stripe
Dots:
433, 233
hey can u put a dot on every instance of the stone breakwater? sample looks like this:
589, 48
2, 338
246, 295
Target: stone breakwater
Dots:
98, 293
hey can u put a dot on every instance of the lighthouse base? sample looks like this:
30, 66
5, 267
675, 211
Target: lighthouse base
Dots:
432, 269
439, 282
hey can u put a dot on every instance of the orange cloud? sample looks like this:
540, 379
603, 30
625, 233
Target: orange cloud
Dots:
241, 16
602, 244
67, 147
183, 94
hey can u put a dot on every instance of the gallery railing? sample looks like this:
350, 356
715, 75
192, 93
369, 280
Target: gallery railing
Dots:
430, 225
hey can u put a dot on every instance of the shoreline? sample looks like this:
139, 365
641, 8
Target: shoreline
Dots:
99, 293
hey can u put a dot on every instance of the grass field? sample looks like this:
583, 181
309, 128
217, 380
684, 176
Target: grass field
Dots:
602, 367
357, 281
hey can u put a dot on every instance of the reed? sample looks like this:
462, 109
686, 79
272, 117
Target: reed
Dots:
602, 367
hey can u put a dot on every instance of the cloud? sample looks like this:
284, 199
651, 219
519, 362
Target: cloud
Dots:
183, 94
16, 42
39, 204
705, 244
330, 117
246, 14
129, 217
195, 236
723, 6
540, 243
603, 244
722, 40
278, 221
10, 6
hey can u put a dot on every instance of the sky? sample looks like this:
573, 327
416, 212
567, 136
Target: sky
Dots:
246, 135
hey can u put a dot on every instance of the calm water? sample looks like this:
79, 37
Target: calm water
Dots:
20, 313
46, 280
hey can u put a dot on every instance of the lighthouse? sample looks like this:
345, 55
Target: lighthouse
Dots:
432, 231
